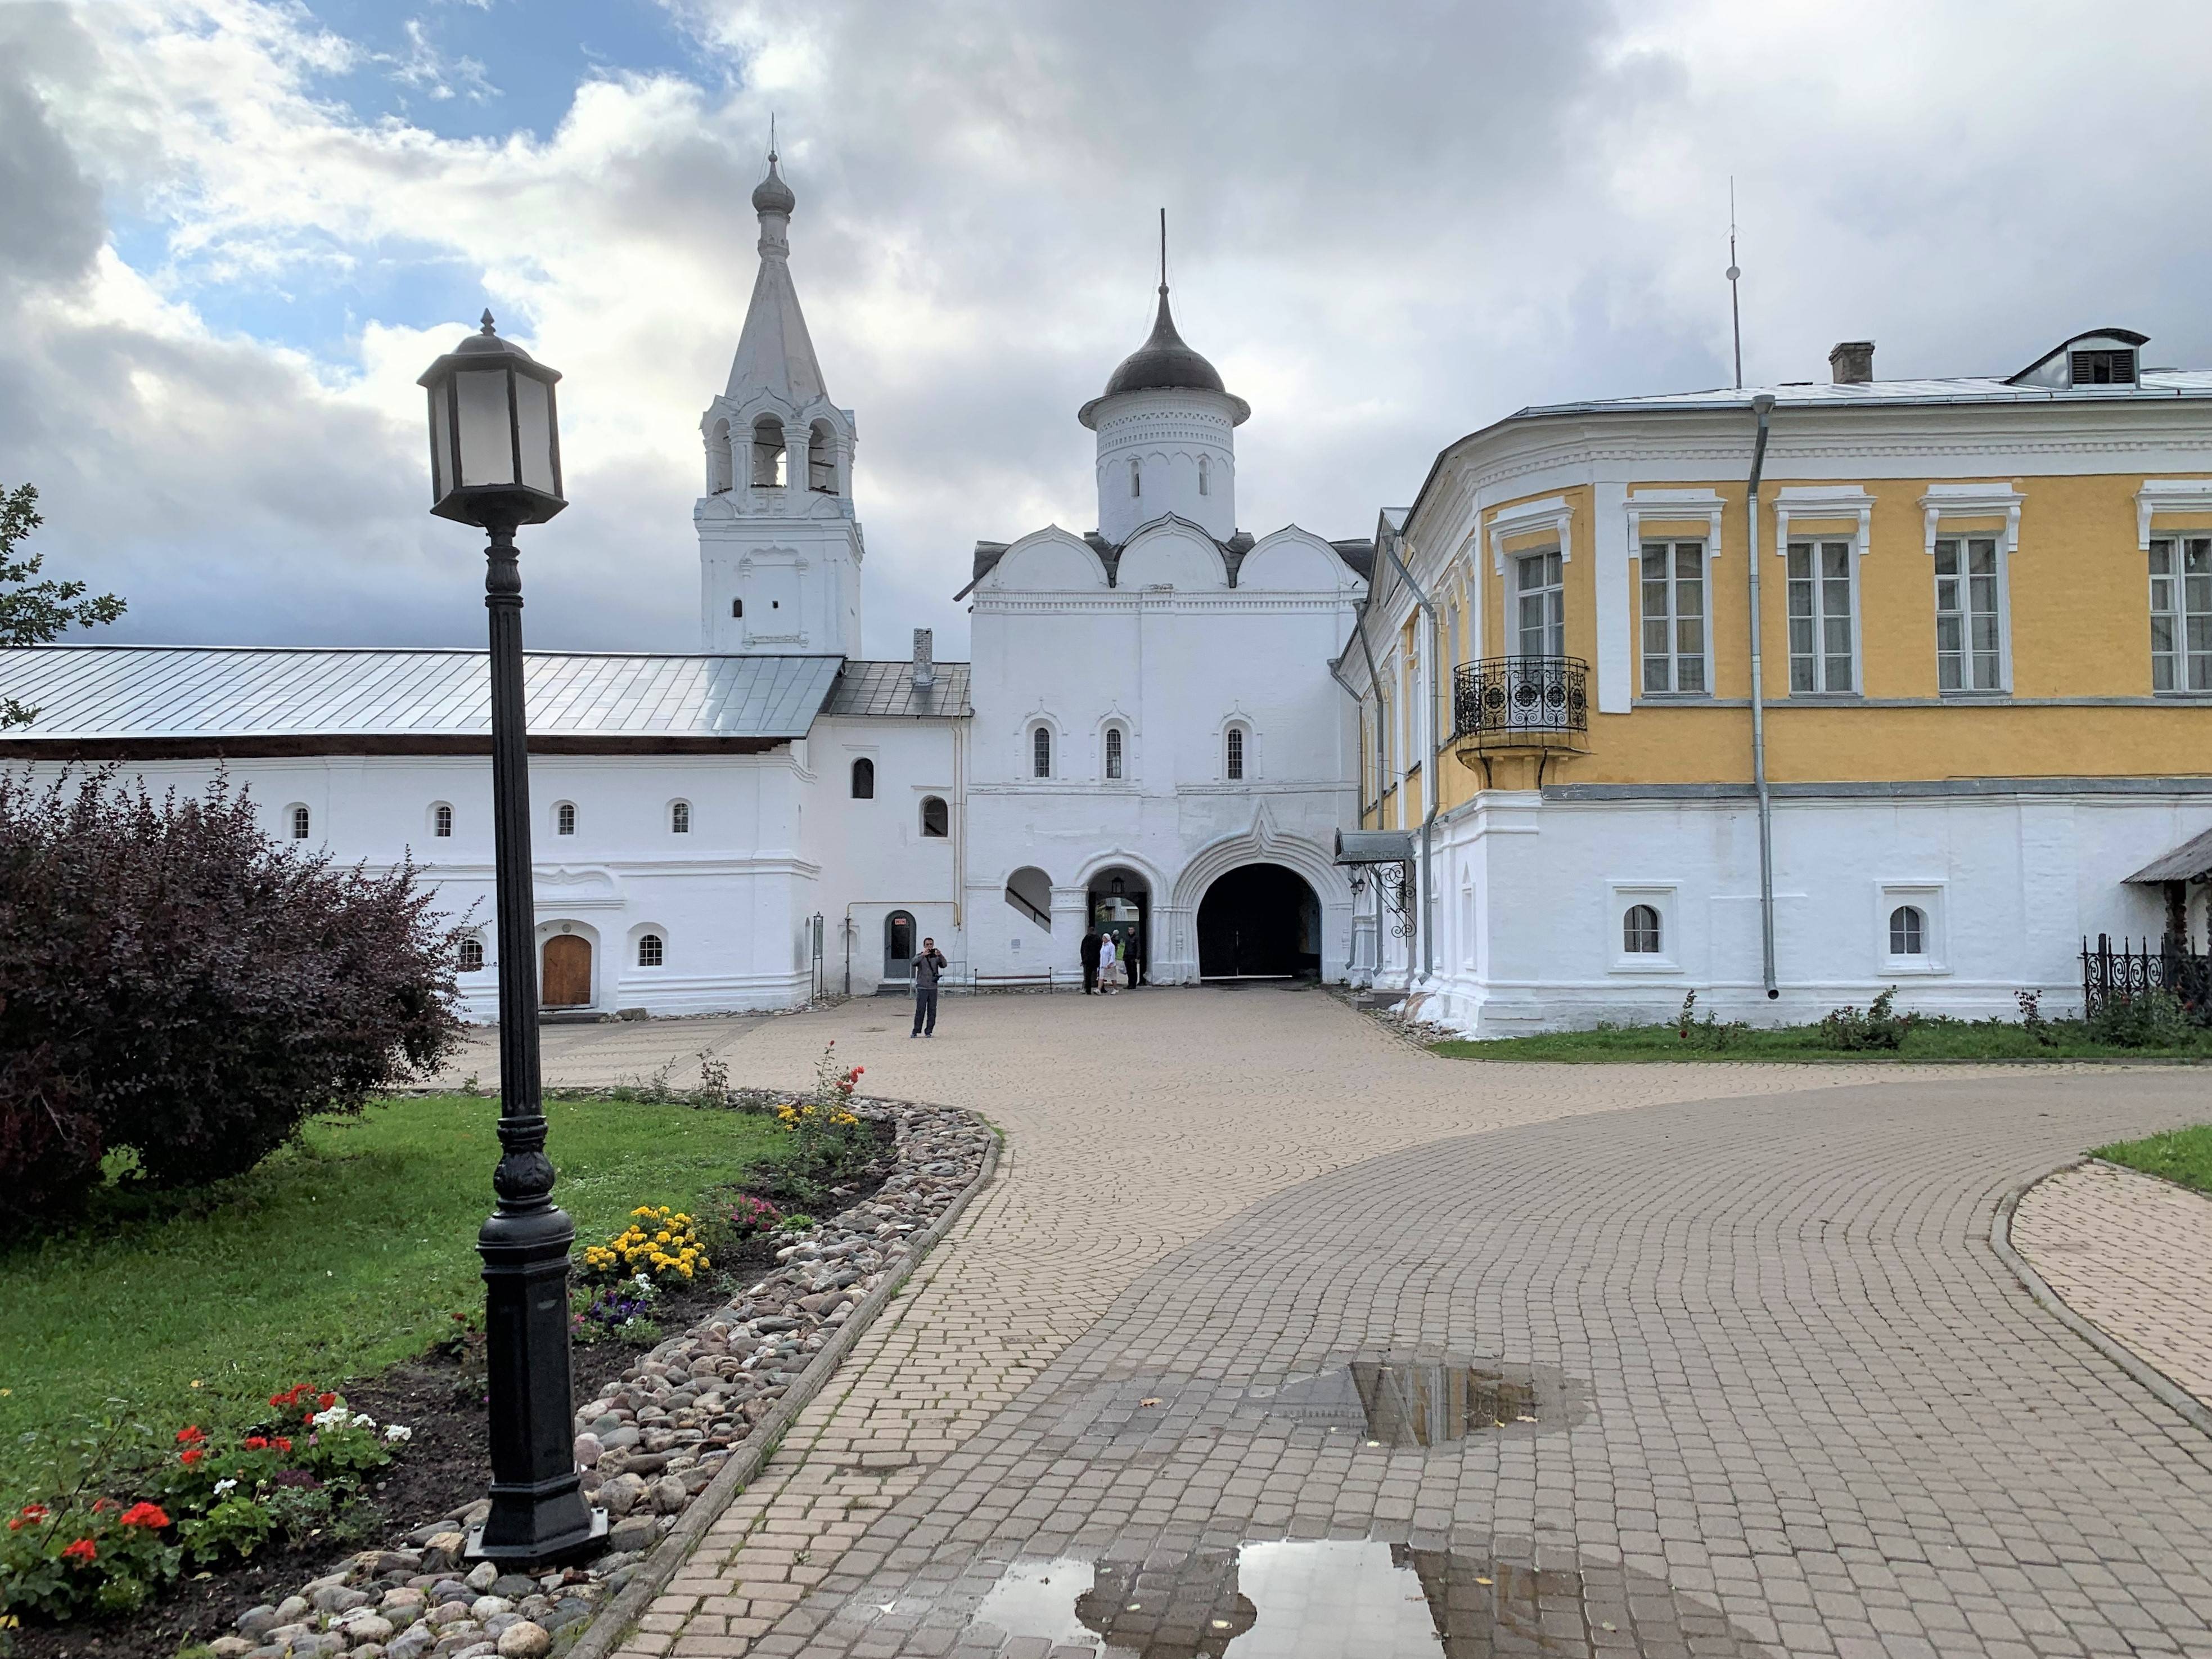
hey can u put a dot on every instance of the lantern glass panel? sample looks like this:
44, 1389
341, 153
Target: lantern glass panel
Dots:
533, 414
487, 428
441, 440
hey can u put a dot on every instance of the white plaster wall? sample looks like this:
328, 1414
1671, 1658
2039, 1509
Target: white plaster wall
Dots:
2012, 884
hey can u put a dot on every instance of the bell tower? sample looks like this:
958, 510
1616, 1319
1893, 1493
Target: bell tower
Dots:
780, 549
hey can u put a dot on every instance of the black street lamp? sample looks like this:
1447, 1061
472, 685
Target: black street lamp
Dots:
495, 463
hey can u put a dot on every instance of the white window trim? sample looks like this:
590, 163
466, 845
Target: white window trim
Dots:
1675, 507
1552, 516
1927, 898
1706, 620
1967, 694
1827, 501
1661, 897
2192, 496
1973, 500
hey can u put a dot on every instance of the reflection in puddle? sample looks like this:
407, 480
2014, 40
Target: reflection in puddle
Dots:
1346, 1600
1427, 1403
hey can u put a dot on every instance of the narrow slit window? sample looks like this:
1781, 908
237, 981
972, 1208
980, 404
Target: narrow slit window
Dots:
1112, 751
1969, 651
1235, 756
864, 778
300, 823
1041, 752
1820, 637
564, 818
1204, 477
679, 818
441, 822
1675, 617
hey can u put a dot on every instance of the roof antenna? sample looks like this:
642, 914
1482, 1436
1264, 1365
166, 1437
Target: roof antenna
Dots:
1735, 316
1163, 250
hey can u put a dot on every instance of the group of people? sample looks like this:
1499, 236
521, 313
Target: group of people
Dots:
1107, 963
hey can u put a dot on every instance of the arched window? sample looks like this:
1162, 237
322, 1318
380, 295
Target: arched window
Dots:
441, 821
1908, 931
1039, 753
864, 778
1204, 476
650, 950
1112, 751
1639, 931
768, 453
1234, 758
936, 817
1136, 478
472, 954
679, 818
821, 463
299, 824
718, 471
564, 818
736, 607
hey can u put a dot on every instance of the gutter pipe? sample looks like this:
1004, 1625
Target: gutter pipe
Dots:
1433, 786
1762, 407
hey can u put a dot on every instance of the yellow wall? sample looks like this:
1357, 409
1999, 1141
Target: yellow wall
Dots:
2078, 616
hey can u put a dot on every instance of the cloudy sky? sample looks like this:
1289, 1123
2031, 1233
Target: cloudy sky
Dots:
233, 232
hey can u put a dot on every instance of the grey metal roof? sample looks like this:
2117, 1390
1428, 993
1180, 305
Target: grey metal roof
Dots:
97, 692
1165, 362
2192, 858
2157, 384
887, 688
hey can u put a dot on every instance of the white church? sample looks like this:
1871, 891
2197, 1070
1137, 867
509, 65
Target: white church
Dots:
1149, 737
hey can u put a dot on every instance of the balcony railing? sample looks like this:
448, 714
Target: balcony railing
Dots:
1535, 706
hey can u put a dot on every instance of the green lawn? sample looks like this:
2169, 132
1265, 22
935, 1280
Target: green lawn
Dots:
1943, 1040
2184, 1156
333, 1259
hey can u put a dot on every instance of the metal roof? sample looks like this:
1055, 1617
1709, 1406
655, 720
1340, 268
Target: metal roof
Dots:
107, 692
2192, 858
887, 688
2157, 384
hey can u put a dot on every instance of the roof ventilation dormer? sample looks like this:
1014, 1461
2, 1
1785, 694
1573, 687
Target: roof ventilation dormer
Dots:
2102, 357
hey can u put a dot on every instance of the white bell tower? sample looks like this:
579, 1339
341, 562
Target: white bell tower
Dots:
780, 549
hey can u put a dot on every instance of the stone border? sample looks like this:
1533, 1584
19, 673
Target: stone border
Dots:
615, 1622
2168, 1391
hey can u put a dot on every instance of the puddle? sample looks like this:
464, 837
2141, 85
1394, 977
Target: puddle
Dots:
1339, 1599
1428, 1402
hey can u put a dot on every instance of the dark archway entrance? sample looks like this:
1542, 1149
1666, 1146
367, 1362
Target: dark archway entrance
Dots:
1260, 922
1121, 904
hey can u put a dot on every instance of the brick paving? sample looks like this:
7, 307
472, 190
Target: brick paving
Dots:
1794, 1403
2132, 1254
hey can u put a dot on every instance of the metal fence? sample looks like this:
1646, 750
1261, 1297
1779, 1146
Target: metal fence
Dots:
1540, 702
2120, 972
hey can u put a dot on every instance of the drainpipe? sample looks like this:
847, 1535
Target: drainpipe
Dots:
1762, 407
1433, 787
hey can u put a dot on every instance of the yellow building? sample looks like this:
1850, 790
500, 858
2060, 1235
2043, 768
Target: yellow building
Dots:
1983, 698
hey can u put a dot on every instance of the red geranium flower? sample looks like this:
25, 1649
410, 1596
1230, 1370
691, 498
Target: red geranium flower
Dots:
102, 1505
82, 1550
143, 1515
327, 1401
189, 1458
282, 1443
191, 1437
32, 1515
256, 1442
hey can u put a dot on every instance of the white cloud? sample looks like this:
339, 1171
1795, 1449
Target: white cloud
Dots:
1388, 225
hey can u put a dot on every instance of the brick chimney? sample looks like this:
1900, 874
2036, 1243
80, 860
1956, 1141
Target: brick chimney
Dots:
925, 664
1850, 362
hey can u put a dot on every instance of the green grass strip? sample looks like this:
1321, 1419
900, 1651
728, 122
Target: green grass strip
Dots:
2181, 1156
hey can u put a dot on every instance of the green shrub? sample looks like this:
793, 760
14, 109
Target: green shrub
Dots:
1880, 1027
2148, 1019
1707, 1033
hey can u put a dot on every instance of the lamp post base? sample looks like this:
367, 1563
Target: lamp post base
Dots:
553, 1552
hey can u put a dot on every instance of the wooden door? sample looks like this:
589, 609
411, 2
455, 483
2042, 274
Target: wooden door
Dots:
566, 980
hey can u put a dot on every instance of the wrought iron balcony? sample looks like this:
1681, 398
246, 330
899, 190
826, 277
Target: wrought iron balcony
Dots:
1536, 706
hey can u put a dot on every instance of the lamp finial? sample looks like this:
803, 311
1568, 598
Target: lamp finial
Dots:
486, 321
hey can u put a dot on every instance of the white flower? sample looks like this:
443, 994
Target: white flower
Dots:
363, 1420
222, 1487
336, 1417
397, 1434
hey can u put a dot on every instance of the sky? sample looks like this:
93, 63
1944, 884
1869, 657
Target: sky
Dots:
233, 232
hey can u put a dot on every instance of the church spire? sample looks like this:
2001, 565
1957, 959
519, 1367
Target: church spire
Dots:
775, 353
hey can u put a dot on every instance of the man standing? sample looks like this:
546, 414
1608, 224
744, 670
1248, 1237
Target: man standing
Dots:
928, 967
1090, 948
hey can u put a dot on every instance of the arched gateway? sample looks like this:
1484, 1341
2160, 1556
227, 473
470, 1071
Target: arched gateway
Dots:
1260, 922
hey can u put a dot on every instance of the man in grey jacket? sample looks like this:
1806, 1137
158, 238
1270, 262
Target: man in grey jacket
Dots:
928, 967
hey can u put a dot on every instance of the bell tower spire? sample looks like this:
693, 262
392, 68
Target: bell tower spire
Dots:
780, 548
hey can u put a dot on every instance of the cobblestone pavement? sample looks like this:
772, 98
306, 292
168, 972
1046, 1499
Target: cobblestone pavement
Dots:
2133, 1253
1786, 1397
603, 1055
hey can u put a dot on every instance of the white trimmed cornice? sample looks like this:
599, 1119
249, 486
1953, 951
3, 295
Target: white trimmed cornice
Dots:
2169, 496
1552, 513
1676, 506
1972, 500
1822, 502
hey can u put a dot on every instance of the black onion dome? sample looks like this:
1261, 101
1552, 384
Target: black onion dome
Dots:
772, 195
1164, 363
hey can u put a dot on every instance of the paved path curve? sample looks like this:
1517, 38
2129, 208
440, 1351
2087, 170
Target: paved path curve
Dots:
1788, 1400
